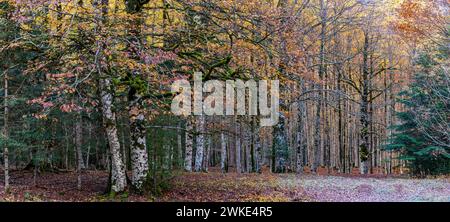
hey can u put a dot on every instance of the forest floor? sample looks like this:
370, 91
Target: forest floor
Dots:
215, 186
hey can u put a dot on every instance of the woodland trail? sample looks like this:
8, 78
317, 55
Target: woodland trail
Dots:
215, 186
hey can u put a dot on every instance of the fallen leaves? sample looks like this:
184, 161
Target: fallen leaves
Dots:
216, 186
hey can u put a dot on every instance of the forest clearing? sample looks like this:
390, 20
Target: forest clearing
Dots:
217, 187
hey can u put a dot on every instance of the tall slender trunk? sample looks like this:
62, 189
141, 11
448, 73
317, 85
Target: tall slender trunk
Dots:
223, 152
179, 147
188, 144
364, 115
245, 151
341, 147
124, 146
257, 145
207, 153
78, 145
89, 145
35, 170
97, 150
317, 132
6, 133
139, 155
390, 107
200, 142
117, 181
301, 134
237, 134
280, 144
340, 127
66, 160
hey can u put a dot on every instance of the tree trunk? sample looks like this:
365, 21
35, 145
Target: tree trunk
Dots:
257, 145
280, 145
364, 115
301, 135
124, 146
317, 132
66, 160
89, 145
200, 142
340, 127
118, 176
207, 153
179, 147
238, 146
6, 133
78, 144
223, 152
139, 155
189, 143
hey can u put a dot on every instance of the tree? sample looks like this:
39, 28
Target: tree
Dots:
78, 145
139, 153
6, 131
118, 175
423, 137
188, 145
200, 142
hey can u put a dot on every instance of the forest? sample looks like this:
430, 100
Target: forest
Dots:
87, 90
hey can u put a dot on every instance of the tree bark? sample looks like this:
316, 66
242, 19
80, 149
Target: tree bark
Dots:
223, 152
89, 145
317, 132
238, 146
118, 176
66, 160
179, 147
200, 142
139, 155
188, 145
6, 133
301, 135
78, 145
280, 145
364, 115
138, 149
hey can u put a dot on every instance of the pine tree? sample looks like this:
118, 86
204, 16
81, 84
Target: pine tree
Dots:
423, 135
